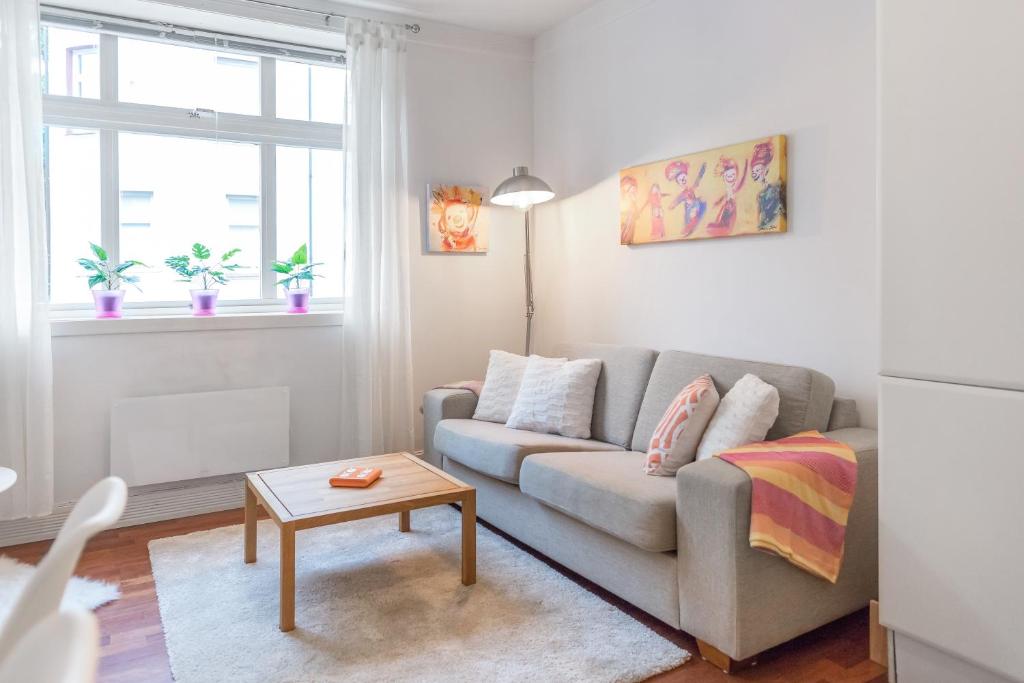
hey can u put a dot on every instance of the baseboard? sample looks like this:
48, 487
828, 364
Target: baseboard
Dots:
145, 504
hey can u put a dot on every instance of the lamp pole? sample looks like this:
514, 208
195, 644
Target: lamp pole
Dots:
523, 191
529, 282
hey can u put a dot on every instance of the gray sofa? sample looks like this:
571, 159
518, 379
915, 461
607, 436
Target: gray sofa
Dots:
678, 547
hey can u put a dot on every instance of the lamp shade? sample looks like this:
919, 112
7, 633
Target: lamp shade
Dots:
522, 190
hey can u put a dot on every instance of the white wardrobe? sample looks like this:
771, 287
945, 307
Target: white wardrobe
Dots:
951, 470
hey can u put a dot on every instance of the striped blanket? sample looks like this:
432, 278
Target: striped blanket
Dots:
803, 488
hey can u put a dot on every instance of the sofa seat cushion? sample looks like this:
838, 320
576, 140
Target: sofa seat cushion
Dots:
498, 451
608, 491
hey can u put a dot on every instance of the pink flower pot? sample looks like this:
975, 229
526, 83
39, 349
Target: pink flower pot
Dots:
108, 302
204, 302
298, 300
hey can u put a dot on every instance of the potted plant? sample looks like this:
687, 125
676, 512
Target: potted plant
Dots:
102, 270
204, 299
298, 271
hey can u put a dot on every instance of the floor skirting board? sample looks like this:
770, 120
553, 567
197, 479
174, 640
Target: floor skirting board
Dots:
145, 504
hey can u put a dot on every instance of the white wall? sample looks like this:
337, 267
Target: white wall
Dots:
91, 371
469, 121
630, 82
470, 111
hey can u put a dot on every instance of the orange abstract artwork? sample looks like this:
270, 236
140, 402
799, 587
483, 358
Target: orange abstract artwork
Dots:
734, 190
457, 219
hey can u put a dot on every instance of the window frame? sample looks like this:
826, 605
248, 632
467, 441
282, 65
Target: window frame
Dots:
109, 117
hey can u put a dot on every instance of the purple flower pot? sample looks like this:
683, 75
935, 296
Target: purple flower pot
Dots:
108, 302
204, 302
298, 300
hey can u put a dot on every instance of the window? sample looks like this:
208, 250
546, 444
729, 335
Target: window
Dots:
191, 178
308, 208
178, 76
71, 160
310, 93
72, 61
182, 146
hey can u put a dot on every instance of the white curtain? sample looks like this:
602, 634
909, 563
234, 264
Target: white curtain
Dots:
26, 403
377, 396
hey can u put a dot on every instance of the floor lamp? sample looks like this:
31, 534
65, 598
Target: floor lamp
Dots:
523, 191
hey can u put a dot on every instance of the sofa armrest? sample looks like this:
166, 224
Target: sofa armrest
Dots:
443, 404
743, 601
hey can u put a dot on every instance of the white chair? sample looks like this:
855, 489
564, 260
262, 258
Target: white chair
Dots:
98, 509
62, 648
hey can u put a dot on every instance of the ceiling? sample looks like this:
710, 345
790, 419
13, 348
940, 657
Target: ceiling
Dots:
512, 17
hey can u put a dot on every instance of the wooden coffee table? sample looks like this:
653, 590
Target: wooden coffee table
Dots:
301, 498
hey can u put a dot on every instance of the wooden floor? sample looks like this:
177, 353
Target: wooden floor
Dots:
133, 640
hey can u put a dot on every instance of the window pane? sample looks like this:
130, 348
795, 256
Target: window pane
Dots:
71, 62
176, 76
310, 93
72, 166
177, 191
310, 191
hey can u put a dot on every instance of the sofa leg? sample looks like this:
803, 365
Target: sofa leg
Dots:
712, 654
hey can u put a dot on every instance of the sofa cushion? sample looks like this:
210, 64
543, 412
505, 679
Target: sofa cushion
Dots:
501, 386
497, 450
620, 388
608, 491
805, 396
556, 396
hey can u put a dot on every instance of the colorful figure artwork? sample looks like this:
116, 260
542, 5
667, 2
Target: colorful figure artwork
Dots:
693, 206
704, 205
770, 200
457, 219
629, 208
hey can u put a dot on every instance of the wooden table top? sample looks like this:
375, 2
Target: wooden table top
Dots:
303, 492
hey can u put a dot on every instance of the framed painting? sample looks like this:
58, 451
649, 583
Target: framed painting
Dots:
724, 192
456, 219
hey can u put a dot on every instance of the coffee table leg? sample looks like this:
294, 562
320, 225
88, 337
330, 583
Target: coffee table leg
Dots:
287, 577
469, 539
250, 524
403, 521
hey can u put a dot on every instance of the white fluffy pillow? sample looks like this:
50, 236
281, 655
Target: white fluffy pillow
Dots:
501, 386
557, 396
745, 414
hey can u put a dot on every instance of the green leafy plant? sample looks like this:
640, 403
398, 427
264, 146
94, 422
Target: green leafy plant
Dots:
210, 272
104, 271
297, 269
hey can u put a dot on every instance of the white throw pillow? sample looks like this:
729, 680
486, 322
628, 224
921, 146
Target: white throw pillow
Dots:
745, 414
557, 396
501, 386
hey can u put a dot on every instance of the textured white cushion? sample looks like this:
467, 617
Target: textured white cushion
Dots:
501, 386
745, 414
557, 396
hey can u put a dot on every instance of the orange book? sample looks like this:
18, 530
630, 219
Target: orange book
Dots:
356, 477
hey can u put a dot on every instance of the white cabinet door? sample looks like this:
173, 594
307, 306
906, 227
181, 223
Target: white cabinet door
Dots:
951, 89
951, 519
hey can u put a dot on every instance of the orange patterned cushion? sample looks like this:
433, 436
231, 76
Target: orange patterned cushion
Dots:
675, 441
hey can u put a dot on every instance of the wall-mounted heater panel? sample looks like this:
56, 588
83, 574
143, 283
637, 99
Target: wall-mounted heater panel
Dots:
157, 439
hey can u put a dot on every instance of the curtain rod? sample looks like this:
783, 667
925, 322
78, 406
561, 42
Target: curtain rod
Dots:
414, 28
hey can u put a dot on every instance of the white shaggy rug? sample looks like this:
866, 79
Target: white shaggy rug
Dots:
374, 604
86, 593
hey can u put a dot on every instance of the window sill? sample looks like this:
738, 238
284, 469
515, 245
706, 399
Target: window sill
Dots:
142, 324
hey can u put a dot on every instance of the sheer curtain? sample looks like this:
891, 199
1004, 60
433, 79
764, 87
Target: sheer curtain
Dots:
377, 397
26, 403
